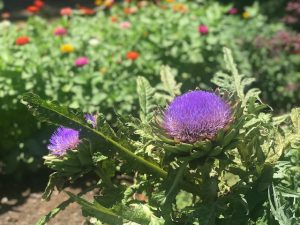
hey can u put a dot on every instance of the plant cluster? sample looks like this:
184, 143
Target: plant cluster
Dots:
292, 13
91, 60
215, 166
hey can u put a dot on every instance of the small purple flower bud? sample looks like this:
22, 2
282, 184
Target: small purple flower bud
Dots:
81, 61
196, 116
91, 119
62, 140
203, 29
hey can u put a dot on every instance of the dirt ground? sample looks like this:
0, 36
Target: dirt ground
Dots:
21, 205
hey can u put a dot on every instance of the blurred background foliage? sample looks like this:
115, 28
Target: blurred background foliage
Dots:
264, 43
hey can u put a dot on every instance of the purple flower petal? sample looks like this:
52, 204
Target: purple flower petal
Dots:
195, 116
91, 119
63, 139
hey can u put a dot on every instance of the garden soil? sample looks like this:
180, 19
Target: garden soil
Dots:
23, 205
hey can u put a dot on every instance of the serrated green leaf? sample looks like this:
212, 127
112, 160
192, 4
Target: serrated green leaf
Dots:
168, 81
145, 94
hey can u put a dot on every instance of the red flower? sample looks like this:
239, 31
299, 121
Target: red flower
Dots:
66, 11
39, 3
132, 55
32, 9
22, 40
87, 11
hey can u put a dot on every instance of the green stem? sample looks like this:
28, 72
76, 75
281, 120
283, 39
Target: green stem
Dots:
132, 156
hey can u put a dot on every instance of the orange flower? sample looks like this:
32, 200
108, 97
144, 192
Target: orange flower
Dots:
23, 40
131, 10
114, 19
164, 7
179, 7
132, 55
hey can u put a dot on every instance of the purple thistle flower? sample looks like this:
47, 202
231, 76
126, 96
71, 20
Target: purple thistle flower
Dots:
195, 116
81, 61
91, 119
63, 139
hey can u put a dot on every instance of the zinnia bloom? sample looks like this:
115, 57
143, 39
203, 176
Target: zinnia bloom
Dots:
131, 10
94, 42
87, 11
5, 15
195, 116
179, 7
109, 3
246, 15
32, 9
67, 11
203, 29
233, 11
62, 140
81, 61
125, 25
60, 31
67, 48
39, 3
22, 40
113, 19
91, 119
5, 24
132, 55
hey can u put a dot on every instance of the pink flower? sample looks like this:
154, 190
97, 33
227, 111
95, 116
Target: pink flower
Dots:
233, 11
81, 61
125, 25
67, 11
60, 31
203, 29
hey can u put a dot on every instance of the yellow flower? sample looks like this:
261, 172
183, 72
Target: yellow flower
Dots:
66, 48
170, 1
108, 3
246, 15
98, 2
103, 70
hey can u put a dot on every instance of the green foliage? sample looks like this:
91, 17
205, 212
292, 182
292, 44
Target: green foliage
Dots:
220, 181
109, 80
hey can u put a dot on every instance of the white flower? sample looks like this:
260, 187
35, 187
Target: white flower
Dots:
5, 24
94, 42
